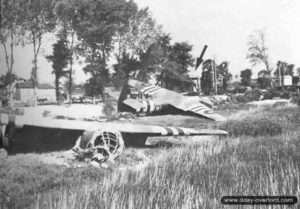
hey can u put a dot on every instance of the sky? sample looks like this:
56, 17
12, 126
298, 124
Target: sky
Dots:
223, 25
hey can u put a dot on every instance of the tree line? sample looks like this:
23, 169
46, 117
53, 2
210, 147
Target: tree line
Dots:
258, 53
97, 30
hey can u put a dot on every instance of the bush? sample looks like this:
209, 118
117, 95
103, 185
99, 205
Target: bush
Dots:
252, 127
249, 96
109, 109
262, 122
296, 99
271, 93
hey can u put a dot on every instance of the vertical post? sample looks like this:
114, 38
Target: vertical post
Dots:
284, 70
279, 72
215, 77
199, 84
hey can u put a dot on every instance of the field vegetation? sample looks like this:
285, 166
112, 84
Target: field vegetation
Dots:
260, 157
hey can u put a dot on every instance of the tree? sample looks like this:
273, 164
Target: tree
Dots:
207, 76
59, 58
155, 58
133, 41
298, 71
169, 62
290, 69
223, 74
10, 36
7, 79
123, 69
39, 18
95, 87
246, 77
264, 79
176, 69
138, 32
67, 13
98, 23
257, 50
10, 32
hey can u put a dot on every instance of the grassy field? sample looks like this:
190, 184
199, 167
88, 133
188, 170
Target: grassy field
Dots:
260, 157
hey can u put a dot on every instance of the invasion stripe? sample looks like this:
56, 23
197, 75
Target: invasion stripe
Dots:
164, 132
180, 131
144, 108
195, 108
175, 131
153, 90
203, 110
146, 88
186, 131
152, 106
200, 108
170, 132
192, 107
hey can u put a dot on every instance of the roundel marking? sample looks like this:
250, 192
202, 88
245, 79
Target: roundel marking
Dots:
158, 108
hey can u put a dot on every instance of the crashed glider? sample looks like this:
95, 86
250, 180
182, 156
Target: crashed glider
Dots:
47, 134
154, 100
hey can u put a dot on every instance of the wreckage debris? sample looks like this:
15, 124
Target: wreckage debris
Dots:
145, 99
99, 147
98, 143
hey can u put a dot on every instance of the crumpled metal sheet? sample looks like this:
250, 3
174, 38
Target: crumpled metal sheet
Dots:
99, 147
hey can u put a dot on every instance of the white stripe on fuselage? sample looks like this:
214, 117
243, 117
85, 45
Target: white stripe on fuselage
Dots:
155, 91
147, 88
149, 91
164, 131
174, 130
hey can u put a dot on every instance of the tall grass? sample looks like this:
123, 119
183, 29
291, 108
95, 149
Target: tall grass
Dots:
262, 122
189, 177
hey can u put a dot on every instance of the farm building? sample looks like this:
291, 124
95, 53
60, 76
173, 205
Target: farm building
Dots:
44, 91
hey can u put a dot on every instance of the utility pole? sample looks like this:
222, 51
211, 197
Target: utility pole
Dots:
215, 77
279, 72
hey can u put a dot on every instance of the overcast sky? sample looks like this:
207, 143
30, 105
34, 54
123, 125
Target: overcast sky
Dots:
224, 25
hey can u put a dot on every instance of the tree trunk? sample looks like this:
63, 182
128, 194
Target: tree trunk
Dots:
35, 96
70, 83
71, 70
57, 89
94, 100
103, 96
9, 64
34, 77
11, 99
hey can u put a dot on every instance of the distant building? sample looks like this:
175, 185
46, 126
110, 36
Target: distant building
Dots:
44, 91
287, 81
195, 76
78, 94
253, 82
